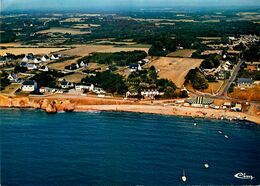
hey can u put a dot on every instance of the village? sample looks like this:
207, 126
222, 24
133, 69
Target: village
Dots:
21, 69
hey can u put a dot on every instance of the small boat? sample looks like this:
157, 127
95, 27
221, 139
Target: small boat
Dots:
220, 132
226, 136
206, 165
184, 178
195, 124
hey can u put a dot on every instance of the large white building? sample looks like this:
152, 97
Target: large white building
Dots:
29, 86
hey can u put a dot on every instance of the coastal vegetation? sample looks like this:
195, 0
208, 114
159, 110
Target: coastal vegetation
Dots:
197, 79
117, 58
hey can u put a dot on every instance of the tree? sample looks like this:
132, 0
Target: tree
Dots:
170, 93
110, 82
197, 79
183, 94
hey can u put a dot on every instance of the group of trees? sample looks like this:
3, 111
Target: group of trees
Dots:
197, 79
45, 79
253, 53
117, 58
110, 82
4, 81
212, 61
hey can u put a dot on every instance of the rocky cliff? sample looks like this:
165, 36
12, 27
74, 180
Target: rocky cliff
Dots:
49, 105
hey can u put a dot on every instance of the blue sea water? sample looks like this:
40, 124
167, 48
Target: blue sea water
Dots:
117, 148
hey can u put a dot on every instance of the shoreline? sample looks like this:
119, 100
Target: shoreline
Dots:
172, 111
55, 104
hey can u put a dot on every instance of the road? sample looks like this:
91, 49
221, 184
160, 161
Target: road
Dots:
233, 76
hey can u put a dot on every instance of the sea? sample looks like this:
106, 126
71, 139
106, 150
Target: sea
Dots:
121, 148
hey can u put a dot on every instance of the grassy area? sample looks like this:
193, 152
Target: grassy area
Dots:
175, 69
214, 87
61, 65
75, 78
35, 51
250, 94
181, 53
135, 46
63, 31
10, 89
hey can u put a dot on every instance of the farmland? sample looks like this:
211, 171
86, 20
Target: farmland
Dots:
61, 65
26, 50
63, 31
250, 94
181, 53
84, 50
175, 69
75, 78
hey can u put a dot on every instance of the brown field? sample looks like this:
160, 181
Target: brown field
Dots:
211, 21
63, 31
35, 51
207, 52
94, 66
75, 78
181, 53
175, 69
74, 19
10, 89
250, 94
10, 44
209, 38
61, 65
84, 50
81, 26
251, 68
119, 49
214, 87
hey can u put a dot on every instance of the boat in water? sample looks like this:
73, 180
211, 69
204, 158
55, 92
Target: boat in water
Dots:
226, 136
184, 178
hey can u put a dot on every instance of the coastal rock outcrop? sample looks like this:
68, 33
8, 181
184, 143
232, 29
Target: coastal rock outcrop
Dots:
5, 101
36, 105
51, 108
23, 102
44, 103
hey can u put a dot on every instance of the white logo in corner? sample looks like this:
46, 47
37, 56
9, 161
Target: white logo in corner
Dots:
243, 176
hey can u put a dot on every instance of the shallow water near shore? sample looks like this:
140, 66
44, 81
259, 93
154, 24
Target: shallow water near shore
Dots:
121, 148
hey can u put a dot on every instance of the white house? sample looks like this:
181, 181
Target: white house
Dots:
13, 77
244, 82
44, 68
82, 64
47, 90
237, 107
55, 56
131, 93
134, 67
28, 57
29, 86
89, 87
31, 66
98, 90
45, 58
37, 60
66, 85
151, 93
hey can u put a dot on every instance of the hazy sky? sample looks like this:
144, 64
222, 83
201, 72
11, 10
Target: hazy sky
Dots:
88, 4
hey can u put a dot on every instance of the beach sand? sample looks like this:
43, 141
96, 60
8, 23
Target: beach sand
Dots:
172, 110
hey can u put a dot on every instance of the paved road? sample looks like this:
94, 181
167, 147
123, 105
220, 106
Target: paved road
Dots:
231, 79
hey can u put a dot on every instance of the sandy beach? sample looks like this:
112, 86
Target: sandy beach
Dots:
58, 103
172, 110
